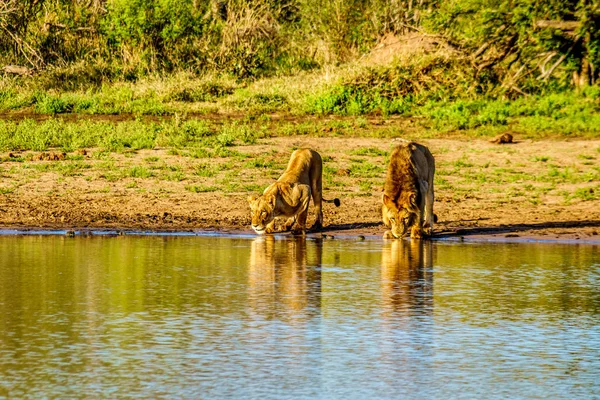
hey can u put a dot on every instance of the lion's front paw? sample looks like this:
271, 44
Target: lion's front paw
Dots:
428, 231
269, 230
416, 234
317, 227
388, 235
287, 227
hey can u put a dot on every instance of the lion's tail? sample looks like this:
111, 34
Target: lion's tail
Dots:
335, 201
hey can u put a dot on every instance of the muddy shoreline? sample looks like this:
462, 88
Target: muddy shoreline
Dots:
485, 235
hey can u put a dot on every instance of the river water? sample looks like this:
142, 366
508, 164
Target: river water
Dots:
240, 317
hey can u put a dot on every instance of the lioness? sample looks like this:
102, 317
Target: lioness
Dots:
408, 191
290, 195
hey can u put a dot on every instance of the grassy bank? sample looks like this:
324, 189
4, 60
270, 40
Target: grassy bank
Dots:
210, 156
352, 94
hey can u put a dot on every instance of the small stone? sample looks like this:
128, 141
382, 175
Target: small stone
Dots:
504, 138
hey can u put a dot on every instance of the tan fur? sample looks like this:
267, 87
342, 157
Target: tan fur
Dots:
290, 195
408, 191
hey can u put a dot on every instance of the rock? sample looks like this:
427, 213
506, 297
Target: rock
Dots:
504, 138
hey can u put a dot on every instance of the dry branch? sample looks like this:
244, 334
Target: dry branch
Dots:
30, 54
567, 26
17, 70
549, 72
481, 50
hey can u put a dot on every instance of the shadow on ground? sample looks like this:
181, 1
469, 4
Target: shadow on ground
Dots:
354, 226
515, 228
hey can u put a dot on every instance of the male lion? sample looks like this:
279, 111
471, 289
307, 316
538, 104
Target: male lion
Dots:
290, 195
408, 191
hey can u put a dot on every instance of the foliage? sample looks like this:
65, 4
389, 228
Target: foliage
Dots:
520, 44
397, 88
500, 49
128, 39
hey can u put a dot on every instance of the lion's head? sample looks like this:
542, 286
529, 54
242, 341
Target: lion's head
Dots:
262, 212
400, 215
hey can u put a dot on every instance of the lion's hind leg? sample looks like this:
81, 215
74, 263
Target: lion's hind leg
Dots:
317, 196
427, 189
416, 231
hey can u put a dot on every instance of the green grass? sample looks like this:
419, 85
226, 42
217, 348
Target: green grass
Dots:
252, 187
205, 170
197, 153
366, 170
437, 103
368, 151
201, 188
462, 163
176, 176
541, 158
587, 193
585, 157
138, 171
71, 168
111, 137
365, 186
260, 163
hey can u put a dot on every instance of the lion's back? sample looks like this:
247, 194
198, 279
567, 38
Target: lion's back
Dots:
409, 162
303, 164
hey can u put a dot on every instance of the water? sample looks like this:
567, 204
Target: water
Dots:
222, 317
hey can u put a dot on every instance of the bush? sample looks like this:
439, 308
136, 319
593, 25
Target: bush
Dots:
397, 88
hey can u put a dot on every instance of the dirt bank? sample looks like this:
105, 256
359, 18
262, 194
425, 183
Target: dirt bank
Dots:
545, 189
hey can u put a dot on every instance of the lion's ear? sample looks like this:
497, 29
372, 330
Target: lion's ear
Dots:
389, 203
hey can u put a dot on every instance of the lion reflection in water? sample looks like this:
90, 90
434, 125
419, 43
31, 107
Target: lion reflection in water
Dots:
285, 275
406, 277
